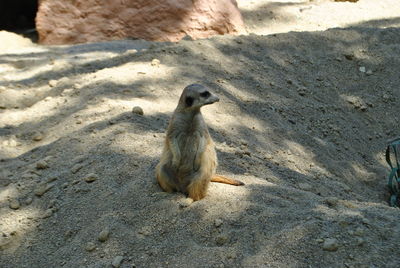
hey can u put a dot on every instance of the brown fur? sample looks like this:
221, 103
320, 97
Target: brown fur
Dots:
188, 161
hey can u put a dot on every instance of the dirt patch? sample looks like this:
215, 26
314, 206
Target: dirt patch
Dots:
303, 120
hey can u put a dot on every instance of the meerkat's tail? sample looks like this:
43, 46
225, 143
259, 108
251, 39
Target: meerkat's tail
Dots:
222, 179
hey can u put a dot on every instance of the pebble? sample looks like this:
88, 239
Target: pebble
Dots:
47, 213
90, 246
155, 62
359, 232
362, 69
117, 261
369, 72
4, 241
28, 201
331, 201
14, 204
330, 244
137, 110
76, 168
53, 83
42, 164
221, 240
42, 188
38, 137
218, 222
104, 235
305, 186
185, 202
90, 178
360, 241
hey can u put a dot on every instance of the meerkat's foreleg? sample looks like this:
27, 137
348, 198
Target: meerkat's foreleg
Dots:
176, 153
200, 150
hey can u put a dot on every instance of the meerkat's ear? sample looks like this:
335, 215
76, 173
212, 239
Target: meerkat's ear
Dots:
189, 101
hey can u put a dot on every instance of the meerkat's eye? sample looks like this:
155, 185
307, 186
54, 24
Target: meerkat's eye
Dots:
205, 94
189, 101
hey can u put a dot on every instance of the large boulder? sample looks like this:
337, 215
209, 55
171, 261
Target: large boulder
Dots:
80, 21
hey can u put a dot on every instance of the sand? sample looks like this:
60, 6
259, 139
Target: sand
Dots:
305, 112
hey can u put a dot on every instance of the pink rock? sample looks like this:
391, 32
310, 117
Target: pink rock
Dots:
80, 21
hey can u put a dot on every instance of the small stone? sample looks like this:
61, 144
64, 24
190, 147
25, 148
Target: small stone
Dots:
53, 83
28, 201
104, 235
76, 168
349, 56
319, 240
4, 241
90, 246
330, 244
38, 137
90, 178
42, 164
362, 69
369, 72
117, 261
331, 201
137, 110
305, 186
42, 188
155, 62
185, 202
218, 222
221, 240
14, 204
360, 241
79, 121
47, 213
359, 232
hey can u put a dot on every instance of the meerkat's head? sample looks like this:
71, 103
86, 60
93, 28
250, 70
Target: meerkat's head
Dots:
195, 96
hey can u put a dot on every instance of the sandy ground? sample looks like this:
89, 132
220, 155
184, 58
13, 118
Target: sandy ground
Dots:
303, 120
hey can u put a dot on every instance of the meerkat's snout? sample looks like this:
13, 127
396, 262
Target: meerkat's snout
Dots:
212, 99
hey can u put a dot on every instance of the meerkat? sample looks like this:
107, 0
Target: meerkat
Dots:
189, 161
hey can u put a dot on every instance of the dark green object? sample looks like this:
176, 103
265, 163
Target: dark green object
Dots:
393, 153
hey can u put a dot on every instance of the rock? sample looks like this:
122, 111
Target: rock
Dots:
76, 168
28, 201
137, 110
369, 72
359, 232
14, 204
47, 213
185, 202
38, 136
305, 186
53, 83
80, 21
360, 241
330, 244
349, 56
90, 246
117, 261
42, 188
90, 178
4, 241
331, 201
42, 164
362, 69
218, 222
221, 240
104, 235
155, 62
